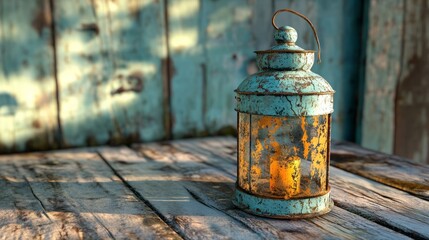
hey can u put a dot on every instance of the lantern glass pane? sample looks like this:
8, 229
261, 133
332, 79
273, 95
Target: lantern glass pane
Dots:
283, 157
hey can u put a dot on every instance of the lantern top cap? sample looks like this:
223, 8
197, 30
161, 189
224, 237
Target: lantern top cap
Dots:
286, 36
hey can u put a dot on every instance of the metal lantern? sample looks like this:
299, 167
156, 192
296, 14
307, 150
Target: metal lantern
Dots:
284, 124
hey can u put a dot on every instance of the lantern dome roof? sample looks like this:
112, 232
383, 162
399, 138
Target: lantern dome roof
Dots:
285, 83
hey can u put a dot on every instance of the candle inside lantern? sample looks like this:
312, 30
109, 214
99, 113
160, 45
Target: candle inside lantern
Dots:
285, 176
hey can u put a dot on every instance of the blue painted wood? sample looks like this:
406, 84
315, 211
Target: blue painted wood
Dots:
211, 48
186, 51
383, 60
28, 115
233, 29
118, 81
109, 61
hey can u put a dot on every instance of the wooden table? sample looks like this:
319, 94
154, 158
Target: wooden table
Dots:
183, 189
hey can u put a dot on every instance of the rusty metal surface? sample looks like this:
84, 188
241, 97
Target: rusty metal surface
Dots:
284, 116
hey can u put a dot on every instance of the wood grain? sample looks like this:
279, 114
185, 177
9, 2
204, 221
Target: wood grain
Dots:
192, 187
210, 45
383, 61
72, 195
186, 54
233, 30
387, 206
391, 170
412, 98
28, 114
167, 184
109, 61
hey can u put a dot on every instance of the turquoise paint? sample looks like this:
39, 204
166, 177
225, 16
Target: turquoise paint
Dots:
283, 208
28, 116
290, 60
185, 48
230, 29
109, 71
293, 105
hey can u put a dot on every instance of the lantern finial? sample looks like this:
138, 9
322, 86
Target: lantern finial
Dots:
286, 35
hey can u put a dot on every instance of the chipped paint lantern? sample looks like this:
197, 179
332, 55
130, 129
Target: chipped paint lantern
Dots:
284, 123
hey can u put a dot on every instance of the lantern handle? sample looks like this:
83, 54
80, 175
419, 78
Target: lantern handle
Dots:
306, 19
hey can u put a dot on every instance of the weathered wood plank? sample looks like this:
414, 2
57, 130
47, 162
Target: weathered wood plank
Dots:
186, 51
339, 26
233, 30
412, 98
28, 114
382, 204
211, 46
165, 182
192, 191
71, 194
383, 60
391, 170
109, 60
388, 206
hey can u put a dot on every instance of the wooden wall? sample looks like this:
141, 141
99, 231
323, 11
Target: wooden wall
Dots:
28, 103
396, 93
81, 73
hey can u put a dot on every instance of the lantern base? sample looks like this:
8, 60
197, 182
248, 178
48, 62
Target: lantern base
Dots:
283, 208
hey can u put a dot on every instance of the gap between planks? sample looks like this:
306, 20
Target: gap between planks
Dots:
59, 136
71, 194
412, 223
141, 198
237, 214
393, 171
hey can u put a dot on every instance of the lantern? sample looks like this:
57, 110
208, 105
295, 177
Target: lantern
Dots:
284, 123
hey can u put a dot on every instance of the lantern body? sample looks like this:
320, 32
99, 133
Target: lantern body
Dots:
284, 122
